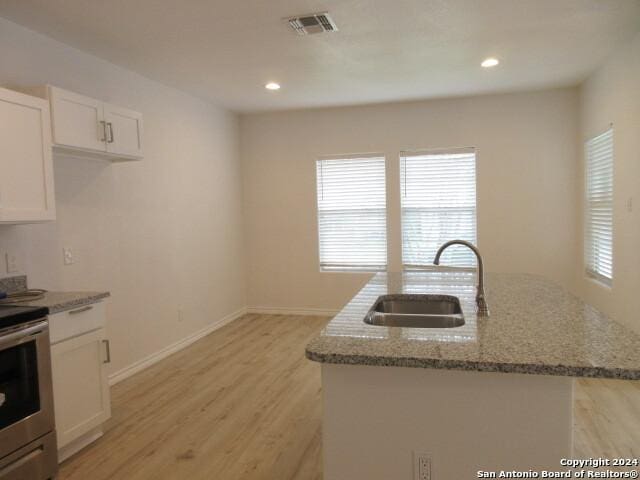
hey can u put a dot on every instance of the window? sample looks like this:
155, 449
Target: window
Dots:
438, 200
352, 213
599, 207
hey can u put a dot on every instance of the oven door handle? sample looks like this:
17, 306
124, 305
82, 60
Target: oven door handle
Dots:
16, 338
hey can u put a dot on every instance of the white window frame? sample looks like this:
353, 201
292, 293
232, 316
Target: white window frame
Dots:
591, 269
438, 151
345, 267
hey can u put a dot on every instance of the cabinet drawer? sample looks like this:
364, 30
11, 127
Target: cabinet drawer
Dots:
77, 321
35, 460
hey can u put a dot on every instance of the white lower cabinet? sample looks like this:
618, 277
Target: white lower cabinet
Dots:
79, 354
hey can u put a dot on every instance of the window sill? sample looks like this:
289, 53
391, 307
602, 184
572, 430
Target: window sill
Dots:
597, 281
349, 270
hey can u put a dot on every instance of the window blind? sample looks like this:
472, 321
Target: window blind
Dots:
599, 207
352, 218
438, 201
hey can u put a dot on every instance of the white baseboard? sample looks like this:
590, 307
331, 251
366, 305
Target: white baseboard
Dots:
173, 348
292, 311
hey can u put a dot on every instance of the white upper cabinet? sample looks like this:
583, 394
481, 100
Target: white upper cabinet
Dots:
123, 131
78, 121
26, 167
84, 124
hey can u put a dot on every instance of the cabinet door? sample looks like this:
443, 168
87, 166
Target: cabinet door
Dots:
26, 178
78, 121
124, 131
80, 387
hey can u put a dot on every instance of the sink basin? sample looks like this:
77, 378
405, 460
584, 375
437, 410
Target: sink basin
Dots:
419, 304
416, 311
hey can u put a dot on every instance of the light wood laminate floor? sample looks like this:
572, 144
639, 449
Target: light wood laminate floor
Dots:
244, 403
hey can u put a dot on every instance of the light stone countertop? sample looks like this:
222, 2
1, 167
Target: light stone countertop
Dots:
535, 327
60, 301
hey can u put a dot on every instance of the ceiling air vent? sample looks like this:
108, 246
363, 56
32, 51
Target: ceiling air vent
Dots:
312, 23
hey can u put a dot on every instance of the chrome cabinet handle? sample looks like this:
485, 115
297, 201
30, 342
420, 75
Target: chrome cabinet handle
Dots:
104, 131
107, 346
80, 310
111, 137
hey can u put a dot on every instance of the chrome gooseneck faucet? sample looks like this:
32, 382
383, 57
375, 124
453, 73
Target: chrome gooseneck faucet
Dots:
483, 309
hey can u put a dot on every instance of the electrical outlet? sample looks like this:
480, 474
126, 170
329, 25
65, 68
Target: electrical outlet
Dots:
13, 263
67, 256
421, 466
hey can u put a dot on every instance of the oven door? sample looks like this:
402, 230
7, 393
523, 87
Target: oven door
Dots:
26, 398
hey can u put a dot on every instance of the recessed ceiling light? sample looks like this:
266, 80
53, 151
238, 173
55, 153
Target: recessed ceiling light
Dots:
490, 62
272, 86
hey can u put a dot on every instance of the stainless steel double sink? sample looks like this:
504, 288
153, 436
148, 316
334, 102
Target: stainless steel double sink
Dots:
416, 311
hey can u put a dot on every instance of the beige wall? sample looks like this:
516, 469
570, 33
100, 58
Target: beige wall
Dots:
164, 234
612, 95
527, 185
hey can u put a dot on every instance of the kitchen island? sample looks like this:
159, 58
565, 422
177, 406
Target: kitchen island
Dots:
493, 394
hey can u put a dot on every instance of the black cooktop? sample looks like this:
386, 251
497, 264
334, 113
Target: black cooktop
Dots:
12, 315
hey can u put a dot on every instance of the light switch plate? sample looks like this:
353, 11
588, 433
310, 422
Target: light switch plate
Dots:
421, 466
13, 262
67, 256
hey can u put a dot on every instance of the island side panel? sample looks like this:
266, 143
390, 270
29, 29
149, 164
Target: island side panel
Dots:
375, 418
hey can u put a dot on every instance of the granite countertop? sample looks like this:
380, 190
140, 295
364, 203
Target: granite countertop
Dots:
55, 301
535, 327
60, 301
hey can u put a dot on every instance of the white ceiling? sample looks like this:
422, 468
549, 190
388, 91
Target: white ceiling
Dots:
386, 50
